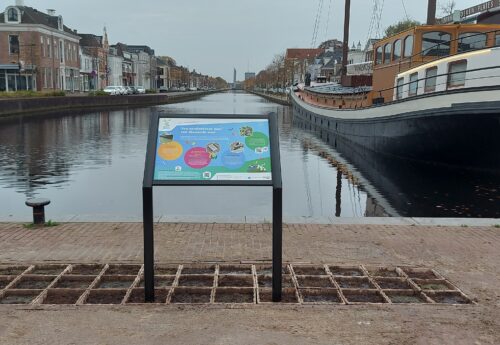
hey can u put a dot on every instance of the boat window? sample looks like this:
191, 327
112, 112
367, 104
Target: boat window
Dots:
396, 54
470, 41
408, 49
378, 58
399, 88
436, 43
413, 84
497, 39
456, 73
387, 53
430, 79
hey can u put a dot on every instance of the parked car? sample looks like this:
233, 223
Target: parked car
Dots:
182, 88
123, 90
129, 90
140, 89
133, 89
193, 89
163, 89
112, 90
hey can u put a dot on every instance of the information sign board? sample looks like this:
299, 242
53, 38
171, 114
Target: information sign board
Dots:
223, 150
203, 149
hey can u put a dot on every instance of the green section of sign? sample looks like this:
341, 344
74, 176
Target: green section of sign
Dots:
252, 166
257, 140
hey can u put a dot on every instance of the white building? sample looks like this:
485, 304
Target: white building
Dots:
86, 68
115, 68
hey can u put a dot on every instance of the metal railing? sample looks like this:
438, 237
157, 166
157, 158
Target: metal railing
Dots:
447, 75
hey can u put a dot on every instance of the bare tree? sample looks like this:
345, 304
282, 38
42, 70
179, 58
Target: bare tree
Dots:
447, 7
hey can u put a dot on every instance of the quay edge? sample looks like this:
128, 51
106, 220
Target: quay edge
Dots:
43, 105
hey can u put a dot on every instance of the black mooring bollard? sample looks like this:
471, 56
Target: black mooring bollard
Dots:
38, 209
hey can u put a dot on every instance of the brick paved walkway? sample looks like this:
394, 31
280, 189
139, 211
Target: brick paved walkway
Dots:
468, 256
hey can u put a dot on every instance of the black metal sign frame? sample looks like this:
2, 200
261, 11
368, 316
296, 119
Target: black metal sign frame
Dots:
149, 182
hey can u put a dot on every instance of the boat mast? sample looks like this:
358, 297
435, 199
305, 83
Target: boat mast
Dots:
431, 12
345, 47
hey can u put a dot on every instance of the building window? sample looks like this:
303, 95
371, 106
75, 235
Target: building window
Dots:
456, 73
13, 44
413, 84
408, 48
471, 41
436, 43
396, 53
430, 79
12, 15
45, 72
399, 88
378, 56
61, 51
387, 53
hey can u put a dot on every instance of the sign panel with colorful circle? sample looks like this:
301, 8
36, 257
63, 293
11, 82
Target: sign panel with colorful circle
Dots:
213, 149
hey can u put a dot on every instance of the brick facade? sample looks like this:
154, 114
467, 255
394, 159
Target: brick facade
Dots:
37, 52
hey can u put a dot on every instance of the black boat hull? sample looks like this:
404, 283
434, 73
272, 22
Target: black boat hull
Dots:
464, 134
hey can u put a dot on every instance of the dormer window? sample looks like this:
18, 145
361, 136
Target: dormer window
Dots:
12, 15
60, 25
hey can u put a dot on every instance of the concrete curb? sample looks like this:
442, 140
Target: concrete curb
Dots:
108, 218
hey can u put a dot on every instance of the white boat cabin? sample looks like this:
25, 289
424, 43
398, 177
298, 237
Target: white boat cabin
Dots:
471, 69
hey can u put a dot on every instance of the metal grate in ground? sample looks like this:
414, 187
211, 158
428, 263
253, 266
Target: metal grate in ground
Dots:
86, 284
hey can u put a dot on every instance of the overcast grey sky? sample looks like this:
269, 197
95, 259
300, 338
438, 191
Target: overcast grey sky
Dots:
212, 36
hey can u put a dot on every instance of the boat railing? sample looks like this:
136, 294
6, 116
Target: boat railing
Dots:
423, 56
419, 80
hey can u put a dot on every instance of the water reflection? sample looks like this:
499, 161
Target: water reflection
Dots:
91, 165
418, 189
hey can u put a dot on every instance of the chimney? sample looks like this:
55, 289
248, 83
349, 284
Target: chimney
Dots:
19, 2
51, 12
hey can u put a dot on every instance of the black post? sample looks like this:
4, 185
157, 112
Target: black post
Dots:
149, 281
431, 12
277, 242
338, 193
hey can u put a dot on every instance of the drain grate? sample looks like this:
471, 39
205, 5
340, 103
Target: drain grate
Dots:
78, 284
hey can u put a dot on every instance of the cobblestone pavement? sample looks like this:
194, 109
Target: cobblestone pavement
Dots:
468, 256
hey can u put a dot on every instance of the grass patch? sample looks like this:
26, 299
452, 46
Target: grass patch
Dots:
497, 226
31, 94
49, 223
98, 93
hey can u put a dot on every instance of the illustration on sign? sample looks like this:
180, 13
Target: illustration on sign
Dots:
212, 149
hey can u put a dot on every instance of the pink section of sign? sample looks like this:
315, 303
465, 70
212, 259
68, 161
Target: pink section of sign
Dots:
197, 158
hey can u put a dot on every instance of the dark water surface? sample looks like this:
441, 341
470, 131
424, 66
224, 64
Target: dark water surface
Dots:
91, 165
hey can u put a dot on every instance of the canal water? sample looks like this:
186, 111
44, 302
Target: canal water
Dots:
90, 165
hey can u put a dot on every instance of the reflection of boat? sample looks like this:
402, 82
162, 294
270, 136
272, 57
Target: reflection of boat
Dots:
412, 188
435, 96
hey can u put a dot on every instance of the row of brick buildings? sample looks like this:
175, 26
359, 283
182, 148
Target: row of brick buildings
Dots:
323, 63
38, 52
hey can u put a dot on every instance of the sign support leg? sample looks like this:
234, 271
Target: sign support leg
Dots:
277, 242
147, 202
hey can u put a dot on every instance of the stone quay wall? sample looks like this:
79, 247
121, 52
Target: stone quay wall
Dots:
25, 106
